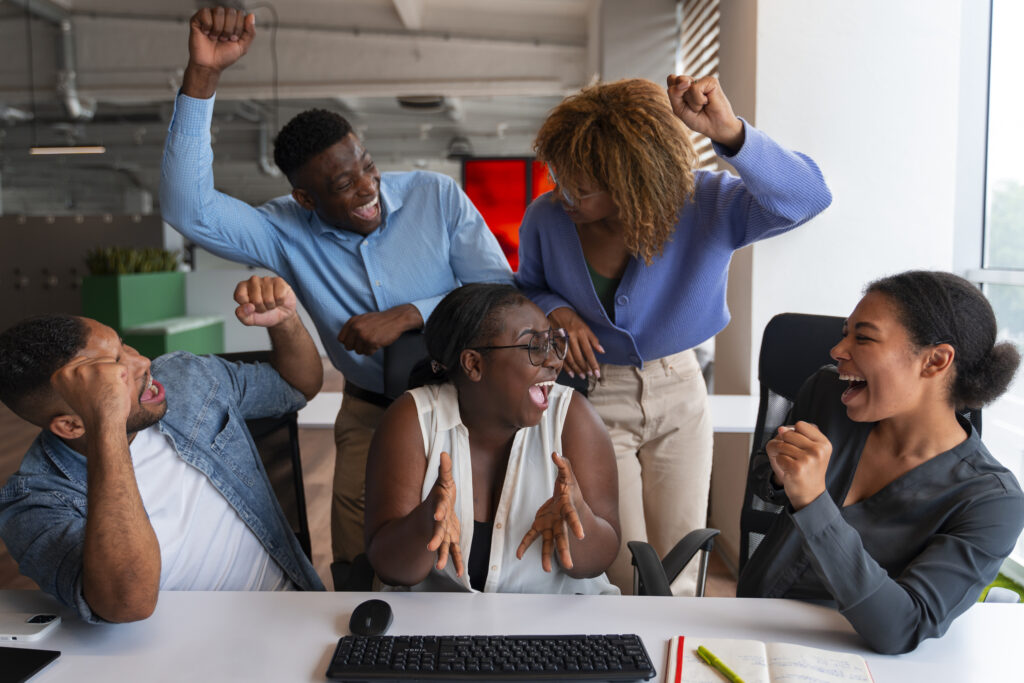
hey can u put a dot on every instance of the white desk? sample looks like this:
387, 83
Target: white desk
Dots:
729, 413
291, 636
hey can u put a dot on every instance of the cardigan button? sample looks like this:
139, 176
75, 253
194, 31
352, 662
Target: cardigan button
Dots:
634, 359
622, 299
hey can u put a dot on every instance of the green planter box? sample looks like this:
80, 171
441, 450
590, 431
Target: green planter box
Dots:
125, 301
198, 334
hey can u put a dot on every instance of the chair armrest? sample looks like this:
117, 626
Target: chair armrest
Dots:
649, 569
683, 552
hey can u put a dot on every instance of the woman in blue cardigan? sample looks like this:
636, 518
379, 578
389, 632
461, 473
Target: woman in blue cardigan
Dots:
630, 255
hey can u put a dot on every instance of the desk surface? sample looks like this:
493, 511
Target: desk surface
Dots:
291, 636
729, 413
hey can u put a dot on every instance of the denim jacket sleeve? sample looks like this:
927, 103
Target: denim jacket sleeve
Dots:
44, 529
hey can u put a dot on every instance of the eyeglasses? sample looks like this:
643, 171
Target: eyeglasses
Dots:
541, 344
565, 193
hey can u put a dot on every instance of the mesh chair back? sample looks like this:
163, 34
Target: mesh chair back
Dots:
277, 440
793, 347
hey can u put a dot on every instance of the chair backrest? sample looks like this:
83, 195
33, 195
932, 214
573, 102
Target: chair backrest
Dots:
399, 360
793, 347
277, 440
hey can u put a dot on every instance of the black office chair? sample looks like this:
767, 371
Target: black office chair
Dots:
277, 440
793, 347
654, 576
405, 354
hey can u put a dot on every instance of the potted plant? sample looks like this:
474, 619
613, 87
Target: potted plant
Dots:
128, 287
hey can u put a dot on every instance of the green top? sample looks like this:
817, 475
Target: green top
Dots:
605, 288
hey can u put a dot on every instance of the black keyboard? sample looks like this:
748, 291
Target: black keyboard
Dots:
491, 658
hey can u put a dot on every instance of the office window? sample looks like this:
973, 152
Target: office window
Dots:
1002, 267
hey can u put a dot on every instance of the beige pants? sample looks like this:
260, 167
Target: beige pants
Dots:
353, 429
660, 427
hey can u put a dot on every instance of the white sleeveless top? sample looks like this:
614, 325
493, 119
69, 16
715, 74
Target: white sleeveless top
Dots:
529, 482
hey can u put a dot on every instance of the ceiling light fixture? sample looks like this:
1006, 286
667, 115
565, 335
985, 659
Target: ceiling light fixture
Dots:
69, 149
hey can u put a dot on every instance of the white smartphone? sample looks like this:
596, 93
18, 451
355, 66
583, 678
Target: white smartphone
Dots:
26, 626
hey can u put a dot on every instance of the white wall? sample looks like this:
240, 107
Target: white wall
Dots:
870, 90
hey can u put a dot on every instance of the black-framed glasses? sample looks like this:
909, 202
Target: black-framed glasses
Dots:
540, 345
569, 199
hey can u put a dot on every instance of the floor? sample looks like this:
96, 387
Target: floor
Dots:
318, 470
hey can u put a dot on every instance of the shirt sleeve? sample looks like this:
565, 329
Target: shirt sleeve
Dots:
474, 253
45, 535
777, 190
221, 224
257, 389
895, 614
530, 276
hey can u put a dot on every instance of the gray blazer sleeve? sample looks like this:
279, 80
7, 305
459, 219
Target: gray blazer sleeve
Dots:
894, 614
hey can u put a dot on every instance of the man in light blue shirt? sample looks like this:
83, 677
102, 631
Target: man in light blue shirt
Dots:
368, 254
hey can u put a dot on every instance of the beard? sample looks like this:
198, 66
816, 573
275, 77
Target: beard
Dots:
144, 418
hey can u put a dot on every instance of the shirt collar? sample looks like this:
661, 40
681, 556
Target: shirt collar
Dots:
390, 202
447, 415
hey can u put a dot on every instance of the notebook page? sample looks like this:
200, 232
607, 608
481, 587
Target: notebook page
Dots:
790, 663
747, 658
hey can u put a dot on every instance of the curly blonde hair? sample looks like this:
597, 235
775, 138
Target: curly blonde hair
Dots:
624, 138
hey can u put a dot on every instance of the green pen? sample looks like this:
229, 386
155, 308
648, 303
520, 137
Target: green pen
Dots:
718, 664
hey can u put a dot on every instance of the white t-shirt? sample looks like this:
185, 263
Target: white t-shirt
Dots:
204, 544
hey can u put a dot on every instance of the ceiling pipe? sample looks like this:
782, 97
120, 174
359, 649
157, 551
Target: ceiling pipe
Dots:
266, 165
67, 76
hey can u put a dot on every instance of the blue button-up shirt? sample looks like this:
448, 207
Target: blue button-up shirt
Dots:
43, 506
432, 239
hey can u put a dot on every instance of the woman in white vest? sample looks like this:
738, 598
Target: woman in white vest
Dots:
491, 477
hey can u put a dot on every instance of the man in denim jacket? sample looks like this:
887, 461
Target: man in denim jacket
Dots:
144, 477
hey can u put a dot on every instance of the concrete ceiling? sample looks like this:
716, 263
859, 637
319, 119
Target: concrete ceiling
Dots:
495, 67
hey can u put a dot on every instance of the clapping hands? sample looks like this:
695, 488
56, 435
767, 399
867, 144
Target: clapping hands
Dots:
447, 530
556, 517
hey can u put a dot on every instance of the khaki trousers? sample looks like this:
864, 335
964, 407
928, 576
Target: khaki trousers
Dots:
661, 429
353, 429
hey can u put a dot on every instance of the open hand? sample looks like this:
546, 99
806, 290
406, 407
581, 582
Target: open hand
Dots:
556, 517
703, 107
799, 457
219, 36
367, 333
579, 358
447, 530
264, 301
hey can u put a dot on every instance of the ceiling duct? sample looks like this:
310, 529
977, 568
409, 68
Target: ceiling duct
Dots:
67, 76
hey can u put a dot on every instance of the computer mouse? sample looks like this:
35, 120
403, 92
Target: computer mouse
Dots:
370, 618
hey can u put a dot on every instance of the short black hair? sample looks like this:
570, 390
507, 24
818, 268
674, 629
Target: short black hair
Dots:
938, 307
305, 136
467, 316
30, 352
